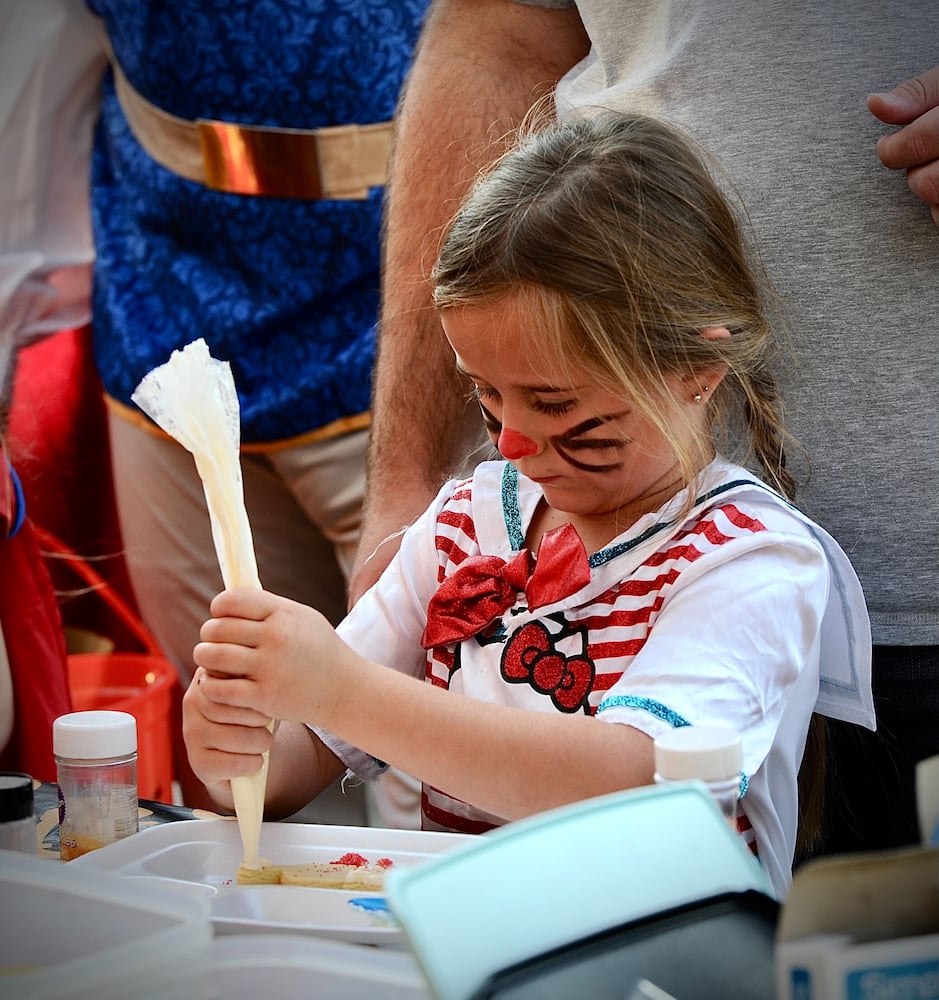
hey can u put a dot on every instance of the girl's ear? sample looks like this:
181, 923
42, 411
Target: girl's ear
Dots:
703, 382
715, 333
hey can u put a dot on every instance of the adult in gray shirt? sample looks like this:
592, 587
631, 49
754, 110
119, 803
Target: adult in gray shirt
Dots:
778, 92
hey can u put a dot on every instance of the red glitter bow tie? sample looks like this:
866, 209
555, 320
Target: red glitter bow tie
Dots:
484, 587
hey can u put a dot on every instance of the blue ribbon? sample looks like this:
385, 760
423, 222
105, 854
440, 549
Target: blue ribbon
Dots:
19, 502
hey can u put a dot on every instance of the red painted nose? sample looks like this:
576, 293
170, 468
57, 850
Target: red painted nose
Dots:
512, 444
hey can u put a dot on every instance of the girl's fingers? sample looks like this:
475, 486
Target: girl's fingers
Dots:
248, 741
224, 714
238, 693
223, 765
222, 659
245, 602
239, 631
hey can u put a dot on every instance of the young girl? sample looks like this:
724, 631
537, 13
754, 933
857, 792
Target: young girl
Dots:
609, 578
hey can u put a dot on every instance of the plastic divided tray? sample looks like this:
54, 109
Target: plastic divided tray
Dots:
287, 966
69, 932
200, 858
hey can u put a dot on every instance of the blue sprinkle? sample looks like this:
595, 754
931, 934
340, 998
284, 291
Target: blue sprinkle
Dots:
376, 907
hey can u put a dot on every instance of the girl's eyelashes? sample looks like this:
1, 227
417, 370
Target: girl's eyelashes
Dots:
483, 391
553, 406
546, 406
492, 425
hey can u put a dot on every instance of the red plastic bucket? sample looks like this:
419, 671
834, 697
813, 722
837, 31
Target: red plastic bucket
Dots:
142, 684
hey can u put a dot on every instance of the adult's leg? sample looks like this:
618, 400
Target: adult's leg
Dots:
328, 480
171, 557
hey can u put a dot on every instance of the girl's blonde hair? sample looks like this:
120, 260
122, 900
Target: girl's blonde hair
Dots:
627, 247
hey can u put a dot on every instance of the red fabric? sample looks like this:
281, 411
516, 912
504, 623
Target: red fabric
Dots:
483, 587
57, 440
35, 643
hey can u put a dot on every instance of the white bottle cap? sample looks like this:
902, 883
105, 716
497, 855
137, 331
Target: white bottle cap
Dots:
709, 753
92, 735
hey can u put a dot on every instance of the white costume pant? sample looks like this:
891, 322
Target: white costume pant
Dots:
304, 505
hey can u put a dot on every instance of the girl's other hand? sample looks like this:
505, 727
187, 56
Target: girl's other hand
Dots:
222, 741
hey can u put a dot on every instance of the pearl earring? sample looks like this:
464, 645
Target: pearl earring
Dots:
699, 396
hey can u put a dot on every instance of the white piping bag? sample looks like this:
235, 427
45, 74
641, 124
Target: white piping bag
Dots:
192, 397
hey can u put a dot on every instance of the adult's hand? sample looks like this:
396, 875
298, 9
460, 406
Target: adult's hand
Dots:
913, 105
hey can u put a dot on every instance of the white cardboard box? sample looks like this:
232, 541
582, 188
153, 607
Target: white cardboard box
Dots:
862, 927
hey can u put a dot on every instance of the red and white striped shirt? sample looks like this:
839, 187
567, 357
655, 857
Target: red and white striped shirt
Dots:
712, 618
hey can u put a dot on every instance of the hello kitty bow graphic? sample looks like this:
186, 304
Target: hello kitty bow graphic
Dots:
482, 588
531, 656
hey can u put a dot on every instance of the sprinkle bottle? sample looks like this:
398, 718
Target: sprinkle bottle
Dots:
96, 763
711, 754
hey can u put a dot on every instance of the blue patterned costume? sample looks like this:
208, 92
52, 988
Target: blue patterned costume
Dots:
284, 289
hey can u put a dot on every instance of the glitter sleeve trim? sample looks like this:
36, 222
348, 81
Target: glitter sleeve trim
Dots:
650, 705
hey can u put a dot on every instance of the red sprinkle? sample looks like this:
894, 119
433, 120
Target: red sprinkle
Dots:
352, 859
385, 863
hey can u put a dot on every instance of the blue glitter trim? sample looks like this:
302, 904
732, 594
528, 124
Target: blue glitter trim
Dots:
510, 508
605, 555
649, 705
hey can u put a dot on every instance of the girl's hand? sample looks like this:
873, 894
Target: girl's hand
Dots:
222, 741
265, 657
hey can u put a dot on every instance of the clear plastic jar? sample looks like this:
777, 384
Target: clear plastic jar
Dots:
96, 763
711, 754
17, 825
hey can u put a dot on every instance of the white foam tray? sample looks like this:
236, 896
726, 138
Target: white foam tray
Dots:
201, 858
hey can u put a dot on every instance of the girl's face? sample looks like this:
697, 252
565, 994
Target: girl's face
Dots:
595, 456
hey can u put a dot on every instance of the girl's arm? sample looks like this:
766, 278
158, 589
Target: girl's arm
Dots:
510, 762
285, 661
729, 649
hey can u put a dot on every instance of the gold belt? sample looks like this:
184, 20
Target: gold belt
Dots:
339, 161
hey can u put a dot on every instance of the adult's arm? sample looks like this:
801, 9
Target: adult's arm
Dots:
914, 105
479, 67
